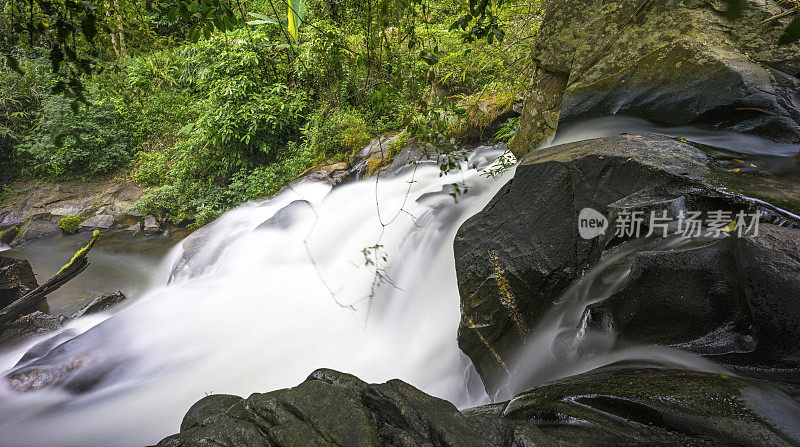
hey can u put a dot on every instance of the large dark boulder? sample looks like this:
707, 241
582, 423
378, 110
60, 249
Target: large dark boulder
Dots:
616, 405
672, 62
734, 298
329, 408
16, 279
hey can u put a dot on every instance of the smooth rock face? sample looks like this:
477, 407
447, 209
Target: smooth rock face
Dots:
151, 226
672, 62
728, 298
617, 405
329, 408
99, 222
34, 228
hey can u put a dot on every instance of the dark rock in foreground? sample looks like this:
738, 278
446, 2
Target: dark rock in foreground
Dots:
733, 298
617, 405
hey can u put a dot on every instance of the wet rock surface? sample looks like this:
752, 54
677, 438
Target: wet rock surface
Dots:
16, 279
100, 304
40, 323
71, 363
36, 323
727, 298
671, 62
616, 405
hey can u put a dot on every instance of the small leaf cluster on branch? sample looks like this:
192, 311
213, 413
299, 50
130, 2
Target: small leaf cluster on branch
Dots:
68, 28
206, 15
480, 22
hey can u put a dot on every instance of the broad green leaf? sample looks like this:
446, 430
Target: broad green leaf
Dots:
264, 17
187, 129
219, 23
293, 24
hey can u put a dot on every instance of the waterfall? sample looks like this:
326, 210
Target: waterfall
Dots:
359, 277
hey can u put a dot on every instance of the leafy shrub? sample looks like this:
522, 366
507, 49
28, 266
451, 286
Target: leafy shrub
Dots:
244, 142
336, 129
93, 141
20, 102
70, 224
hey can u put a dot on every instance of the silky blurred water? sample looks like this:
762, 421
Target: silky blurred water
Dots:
261, 308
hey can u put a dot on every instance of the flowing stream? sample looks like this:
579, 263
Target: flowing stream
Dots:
359, 278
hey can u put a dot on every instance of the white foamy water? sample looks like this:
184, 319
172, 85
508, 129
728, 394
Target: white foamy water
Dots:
260, 309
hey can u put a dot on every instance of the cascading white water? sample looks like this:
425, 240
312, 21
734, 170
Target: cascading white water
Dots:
258, 307
261, 308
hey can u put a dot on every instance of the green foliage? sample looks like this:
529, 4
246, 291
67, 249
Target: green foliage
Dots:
20, 102
205, 16
70, 224
336, 129
241, 110
94, 141
507, 130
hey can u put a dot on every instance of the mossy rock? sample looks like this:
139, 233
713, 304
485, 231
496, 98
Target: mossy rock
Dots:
672, 62
70, 224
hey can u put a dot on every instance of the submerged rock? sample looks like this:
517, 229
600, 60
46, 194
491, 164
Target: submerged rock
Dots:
617, 405
73, 364
728, 297
39, 323
100, 304
36, 323
672, 62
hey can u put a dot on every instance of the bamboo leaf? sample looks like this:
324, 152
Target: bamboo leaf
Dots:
293, 24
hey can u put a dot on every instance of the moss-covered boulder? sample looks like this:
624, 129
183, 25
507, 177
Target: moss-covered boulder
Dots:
673, 62
70, 224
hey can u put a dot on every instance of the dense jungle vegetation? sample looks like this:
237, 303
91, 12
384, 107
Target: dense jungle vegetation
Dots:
213, 102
